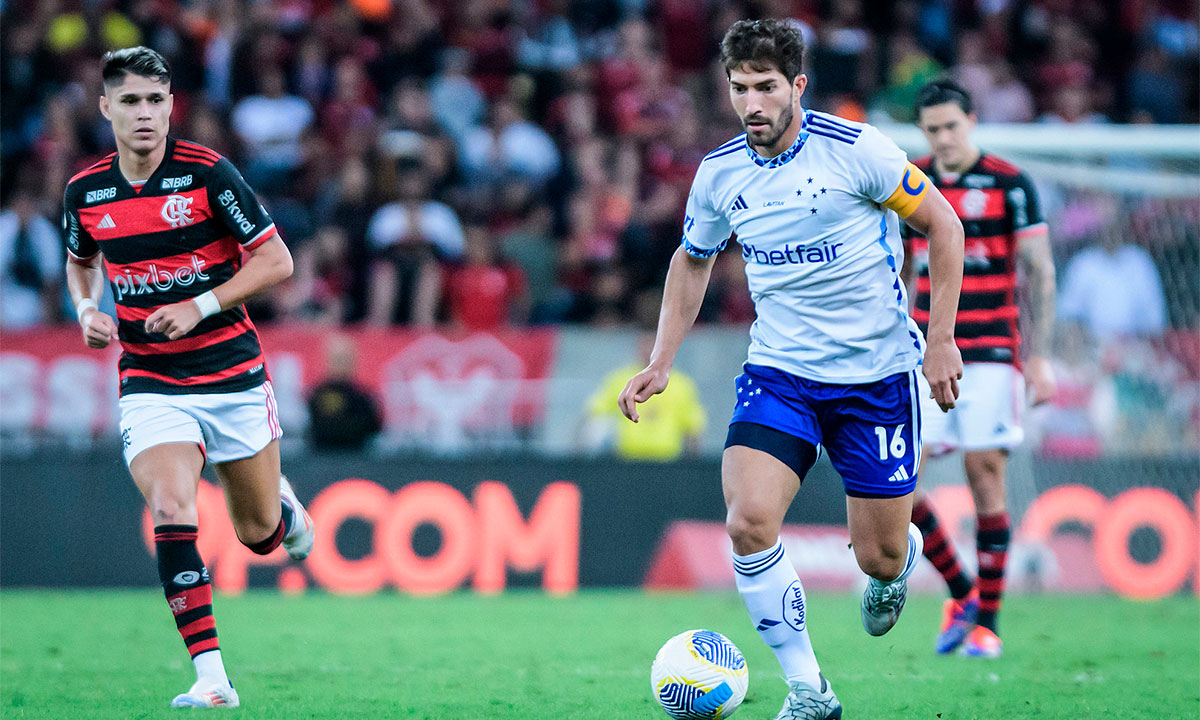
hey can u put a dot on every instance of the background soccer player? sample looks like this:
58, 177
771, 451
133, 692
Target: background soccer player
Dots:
998, 205
815, 202
171, 220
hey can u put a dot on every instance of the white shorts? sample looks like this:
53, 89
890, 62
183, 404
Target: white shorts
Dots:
226, 426
986, 416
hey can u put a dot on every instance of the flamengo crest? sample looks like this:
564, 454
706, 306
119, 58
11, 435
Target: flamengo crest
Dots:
177, 210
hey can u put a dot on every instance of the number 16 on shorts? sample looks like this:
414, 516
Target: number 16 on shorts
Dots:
893, 449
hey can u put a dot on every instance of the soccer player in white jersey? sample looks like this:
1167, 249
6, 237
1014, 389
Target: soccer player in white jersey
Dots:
815, 202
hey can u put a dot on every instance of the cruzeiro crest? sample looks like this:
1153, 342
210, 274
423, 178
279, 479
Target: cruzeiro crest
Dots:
177, 210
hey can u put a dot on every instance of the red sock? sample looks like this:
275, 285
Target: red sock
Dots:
992, 537
939, 548
186, 585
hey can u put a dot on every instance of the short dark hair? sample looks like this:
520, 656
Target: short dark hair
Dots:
138, 60
940, 92
764, 45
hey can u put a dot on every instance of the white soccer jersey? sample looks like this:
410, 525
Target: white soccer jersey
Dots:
822, 253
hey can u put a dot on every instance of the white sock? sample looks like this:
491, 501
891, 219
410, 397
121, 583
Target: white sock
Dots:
914, 556
210, 667
772, 592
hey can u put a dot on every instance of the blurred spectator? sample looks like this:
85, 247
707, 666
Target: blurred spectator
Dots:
342, 414
509, 145
320, 285
408, 238
670, 423
457, 103
485, 292
31, 265
1113, 290
270, 124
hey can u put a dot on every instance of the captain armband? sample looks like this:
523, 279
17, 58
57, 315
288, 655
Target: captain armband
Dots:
908, 196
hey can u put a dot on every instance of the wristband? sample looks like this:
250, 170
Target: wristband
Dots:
208, 304
83, 306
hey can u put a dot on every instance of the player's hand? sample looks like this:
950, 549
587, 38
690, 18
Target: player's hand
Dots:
1039, 377
943, 370
99, 329
640, 388
174, 320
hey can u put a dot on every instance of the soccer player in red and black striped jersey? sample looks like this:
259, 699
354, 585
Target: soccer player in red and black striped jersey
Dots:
999, 209
184, 242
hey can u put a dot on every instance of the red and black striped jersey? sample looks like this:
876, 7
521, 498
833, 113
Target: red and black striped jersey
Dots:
998, 205
178, 235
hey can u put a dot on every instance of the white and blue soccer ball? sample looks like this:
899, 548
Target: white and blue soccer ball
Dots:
699, 675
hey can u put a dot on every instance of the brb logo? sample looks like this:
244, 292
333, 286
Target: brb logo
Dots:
177, 210
157, 279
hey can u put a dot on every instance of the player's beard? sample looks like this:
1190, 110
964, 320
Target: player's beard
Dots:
780, 126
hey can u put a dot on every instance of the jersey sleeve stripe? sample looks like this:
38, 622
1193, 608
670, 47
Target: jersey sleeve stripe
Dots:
179, 156
831, 124
833, 120
76, 258
90, 171
702, 253
1031, 230
266, 234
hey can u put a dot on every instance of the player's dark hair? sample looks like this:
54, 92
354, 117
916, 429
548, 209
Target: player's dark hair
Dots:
940, 92
138, 60
763, 45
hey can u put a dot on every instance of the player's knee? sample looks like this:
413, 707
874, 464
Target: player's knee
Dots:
253, 528
883, 561
170, 509
750, 532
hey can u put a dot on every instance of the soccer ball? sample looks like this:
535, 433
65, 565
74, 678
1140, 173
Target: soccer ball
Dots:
699, 675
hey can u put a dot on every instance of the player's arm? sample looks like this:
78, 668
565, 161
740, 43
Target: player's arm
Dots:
920, 204
85, 278
687, 281
1037, 262
269, 263
705, 233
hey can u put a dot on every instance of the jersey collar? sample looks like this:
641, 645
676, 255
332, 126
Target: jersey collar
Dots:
784, 157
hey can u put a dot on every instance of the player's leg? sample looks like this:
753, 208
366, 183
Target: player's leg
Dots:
872, 432
761, 470
941, 433
163, 449
262, 505
985, 476
243, 431
994, 428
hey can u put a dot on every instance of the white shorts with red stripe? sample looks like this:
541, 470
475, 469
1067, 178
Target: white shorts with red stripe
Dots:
226, 426
986, 416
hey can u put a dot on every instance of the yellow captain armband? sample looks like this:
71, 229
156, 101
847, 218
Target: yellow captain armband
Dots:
913, 187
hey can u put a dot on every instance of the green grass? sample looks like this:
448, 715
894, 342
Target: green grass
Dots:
102, 654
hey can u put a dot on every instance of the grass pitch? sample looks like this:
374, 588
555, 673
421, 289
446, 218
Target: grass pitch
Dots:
115, 654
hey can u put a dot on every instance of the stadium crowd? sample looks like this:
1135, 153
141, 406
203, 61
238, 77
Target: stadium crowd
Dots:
493, 162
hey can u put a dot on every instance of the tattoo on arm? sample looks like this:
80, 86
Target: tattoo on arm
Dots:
1038, 263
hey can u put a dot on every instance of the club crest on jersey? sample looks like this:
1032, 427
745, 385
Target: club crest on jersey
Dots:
176, 183
177, 210
157, 279
974, 203
98, 195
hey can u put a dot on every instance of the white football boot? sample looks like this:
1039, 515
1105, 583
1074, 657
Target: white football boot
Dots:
882, 602
299, 541
207, 694
805, 702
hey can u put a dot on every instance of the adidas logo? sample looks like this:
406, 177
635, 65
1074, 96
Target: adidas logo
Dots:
739, 204
900, 475
107, 222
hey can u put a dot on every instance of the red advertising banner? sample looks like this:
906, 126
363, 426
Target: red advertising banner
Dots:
437, 390
697, 555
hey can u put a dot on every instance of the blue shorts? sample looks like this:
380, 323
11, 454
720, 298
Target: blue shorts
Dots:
871, 431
